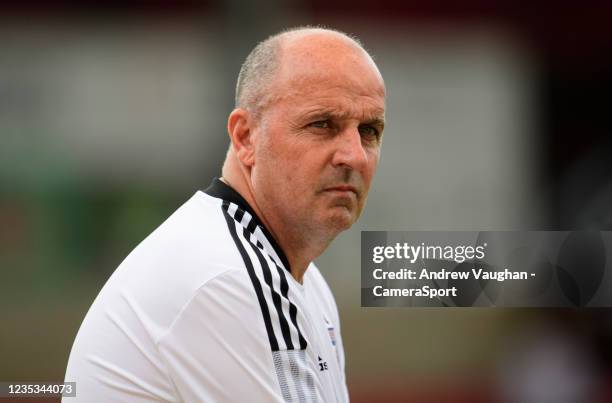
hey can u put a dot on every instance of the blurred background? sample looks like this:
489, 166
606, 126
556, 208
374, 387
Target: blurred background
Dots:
112, 114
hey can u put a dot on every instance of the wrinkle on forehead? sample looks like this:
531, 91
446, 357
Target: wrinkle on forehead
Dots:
344, 108
362, 115
328, 81
307, 102
328, 86
336, 71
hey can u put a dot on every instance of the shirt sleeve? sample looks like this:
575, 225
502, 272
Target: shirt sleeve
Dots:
218, 341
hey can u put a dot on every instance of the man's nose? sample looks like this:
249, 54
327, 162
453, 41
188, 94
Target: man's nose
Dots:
350, 151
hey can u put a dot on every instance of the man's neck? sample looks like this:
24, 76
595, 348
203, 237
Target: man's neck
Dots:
300, 252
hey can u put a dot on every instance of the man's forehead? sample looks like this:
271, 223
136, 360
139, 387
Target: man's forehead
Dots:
325, 82
323, 97
310, 99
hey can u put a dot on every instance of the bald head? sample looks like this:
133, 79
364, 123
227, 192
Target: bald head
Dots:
289, 52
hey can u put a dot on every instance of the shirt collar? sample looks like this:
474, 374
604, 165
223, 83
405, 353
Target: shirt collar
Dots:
223, 191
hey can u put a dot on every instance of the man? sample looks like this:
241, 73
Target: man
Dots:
222, 303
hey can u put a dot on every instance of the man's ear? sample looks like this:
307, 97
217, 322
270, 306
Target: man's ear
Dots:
240, 128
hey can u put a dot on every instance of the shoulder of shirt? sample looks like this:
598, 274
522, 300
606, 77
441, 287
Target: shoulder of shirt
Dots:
314, 277
175, 262
194, 236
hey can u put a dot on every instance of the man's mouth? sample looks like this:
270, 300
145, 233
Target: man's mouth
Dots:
343, 189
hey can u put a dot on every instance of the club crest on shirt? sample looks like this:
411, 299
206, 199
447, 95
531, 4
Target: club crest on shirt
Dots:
331, 331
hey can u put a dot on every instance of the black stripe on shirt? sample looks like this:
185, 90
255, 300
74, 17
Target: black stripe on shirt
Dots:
292, 308
231, 224
252, 226
239, 214
267, 274
276, 298
223, 191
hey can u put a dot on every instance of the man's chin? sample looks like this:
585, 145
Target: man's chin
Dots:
341, 218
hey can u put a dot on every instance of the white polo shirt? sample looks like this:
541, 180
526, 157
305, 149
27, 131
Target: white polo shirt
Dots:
205, 310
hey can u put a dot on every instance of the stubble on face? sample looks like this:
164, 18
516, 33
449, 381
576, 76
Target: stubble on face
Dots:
344, 191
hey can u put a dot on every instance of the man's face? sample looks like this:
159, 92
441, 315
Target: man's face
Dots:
318, 143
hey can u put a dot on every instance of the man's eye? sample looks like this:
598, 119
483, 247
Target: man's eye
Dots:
369, 131
320, 124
